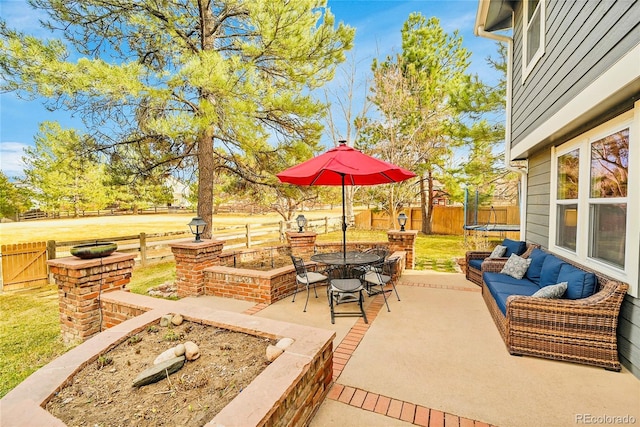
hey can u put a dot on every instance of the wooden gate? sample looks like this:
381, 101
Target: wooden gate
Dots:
24, 265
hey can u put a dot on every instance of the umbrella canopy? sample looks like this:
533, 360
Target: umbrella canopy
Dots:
344, 162
344, 165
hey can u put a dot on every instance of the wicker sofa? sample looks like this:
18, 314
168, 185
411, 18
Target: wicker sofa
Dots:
580, 330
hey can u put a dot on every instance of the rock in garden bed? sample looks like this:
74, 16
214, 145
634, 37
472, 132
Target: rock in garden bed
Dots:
103, 392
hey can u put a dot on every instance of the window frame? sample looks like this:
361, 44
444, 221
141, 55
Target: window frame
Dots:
528, 66
629, 273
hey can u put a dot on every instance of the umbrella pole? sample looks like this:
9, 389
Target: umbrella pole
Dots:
344, 225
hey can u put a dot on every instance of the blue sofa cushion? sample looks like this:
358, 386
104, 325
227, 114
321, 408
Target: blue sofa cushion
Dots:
514, 247
550, 270
476, 263
537, 257
581, 284
501, 286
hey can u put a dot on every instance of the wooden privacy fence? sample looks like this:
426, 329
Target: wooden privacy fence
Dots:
24, 265
445, 219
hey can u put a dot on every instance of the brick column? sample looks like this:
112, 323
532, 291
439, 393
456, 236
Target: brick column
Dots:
403, 241
302, 244
191, 259
80, 283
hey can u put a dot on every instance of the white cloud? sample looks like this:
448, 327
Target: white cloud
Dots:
11, 158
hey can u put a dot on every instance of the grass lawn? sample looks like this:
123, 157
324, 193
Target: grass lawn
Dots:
102, 227
29, 334
435, 252
29, 326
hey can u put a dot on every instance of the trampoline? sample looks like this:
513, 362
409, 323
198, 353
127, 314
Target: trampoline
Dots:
483, 215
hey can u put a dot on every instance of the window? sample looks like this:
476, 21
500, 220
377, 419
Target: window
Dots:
567, 196
533, 35
608, 197
591, 209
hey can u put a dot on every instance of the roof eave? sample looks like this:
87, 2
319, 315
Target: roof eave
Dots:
493, 15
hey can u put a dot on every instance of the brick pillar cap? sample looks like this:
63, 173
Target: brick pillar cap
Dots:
75, 263
403, 233
190, 244
303, 234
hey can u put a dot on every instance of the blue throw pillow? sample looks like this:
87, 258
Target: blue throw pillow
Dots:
537, 257
550, 270
580, 283
513, 247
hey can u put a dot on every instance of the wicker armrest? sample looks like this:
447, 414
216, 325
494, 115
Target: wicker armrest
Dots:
476, 255
582, 330
494, 265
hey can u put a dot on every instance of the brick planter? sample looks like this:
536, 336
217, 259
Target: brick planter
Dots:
250, 285
286, 393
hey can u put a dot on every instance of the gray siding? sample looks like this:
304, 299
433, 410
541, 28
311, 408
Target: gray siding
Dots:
629, 334
538, 191
538, 181
583, 39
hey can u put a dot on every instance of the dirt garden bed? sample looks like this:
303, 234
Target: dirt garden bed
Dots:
102, 393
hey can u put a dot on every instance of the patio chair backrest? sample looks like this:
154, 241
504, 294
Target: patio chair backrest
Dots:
382, 252
298, 263
391, 266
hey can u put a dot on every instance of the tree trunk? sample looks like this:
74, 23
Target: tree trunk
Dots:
430, 201
426, 197
392, 208
206, 173
206, 169
349, 204
424, 202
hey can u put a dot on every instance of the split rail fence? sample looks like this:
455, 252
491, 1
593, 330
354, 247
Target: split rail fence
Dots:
24, 264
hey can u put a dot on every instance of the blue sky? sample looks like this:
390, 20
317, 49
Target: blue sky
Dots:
377, 23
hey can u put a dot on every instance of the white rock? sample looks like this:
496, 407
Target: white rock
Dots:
177, 319
284, 343
273, 352
191, 350
179, 350
165, 355
165, 320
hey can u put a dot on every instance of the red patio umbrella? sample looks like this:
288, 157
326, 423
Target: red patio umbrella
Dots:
344, 165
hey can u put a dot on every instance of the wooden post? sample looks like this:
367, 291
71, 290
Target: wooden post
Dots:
143, 249
326, 225
248, 235
51, 249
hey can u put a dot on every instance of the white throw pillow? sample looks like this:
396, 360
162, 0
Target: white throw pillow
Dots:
516, 266
498, 251
552, 291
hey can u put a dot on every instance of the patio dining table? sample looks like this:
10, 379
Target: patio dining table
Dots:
343, 261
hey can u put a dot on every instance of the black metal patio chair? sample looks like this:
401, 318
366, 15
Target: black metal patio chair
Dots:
306, 278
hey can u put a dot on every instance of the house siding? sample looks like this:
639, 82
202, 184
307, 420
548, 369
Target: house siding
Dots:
537, 231
582, 39
538, 190
629, 334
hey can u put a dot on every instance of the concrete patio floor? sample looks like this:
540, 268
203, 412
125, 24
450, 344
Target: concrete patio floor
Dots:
437, 359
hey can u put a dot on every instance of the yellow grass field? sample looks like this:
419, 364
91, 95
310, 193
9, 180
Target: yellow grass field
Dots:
127, 225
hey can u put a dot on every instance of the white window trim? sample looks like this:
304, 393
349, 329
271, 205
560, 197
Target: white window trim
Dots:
631, 272
527, 67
